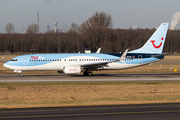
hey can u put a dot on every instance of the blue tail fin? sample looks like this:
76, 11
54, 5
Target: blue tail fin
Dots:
155, 43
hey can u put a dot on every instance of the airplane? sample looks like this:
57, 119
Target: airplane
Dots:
75, 63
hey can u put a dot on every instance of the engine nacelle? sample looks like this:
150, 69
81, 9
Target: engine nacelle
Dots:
17, 71
71, 69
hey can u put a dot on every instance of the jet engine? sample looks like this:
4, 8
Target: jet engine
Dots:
72, 69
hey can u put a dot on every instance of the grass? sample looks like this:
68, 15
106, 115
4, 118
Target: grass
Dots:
20, 95
7, 56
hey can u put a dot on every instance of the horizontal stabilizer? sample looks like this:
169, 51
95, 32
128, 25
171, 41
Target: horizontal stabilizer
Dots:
160, 55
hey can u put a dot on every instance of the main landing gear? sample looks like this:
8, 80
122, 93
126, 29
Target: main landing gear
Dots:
20, 74
87, 73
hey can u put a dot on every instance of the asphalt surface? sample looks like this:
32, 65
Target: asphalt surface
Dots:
119, 112
15, 78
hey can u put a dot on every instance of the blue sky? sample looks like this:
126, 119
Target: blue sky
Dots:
124, 13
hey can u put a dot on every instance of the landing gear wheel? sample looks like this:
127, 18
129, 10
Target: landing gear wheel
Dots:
86, 73
90, 74
21, 74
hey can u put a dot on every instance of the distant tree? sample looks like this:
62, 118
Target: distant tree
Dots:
96, 29
32, 29
73, 27
98, 19
9, 28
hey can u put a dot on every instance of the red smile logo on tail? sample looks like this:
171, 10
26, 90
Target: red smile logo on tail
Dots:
158, 45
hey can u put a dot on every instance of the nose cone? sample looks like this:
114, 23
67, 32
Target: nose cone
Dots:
6, 65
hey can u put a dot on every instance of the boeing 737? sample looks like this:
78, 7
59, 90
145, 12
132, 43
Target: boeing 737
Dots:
75, 63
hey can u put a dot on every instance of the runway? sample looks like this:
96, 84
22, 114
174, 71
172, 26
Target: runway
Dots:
124, 112
15, 78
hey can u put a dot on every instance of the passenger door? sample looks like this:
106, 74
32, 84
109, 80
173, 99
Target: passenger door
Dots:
25, 60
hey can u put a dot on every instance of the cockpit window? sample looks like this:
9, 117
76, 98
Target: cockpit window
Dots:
14, 60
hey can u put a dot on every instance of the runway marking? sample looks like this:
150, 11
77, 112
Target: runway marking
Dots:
121, 113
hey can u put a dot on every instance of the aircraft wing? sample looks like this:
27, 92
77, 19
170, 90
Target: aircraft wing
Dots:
101, 64
95, 65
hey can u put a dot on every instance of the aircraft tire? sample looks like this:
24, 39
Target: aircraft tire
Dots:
85, 73
21, 75
90, 74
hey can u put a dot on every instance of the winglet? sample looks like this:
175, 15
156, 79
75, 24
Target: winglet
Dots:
123, 55
98, 51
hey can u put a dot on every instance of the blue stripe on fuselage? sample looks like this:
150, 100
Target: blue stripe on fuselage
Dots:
135, 55
37, 59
